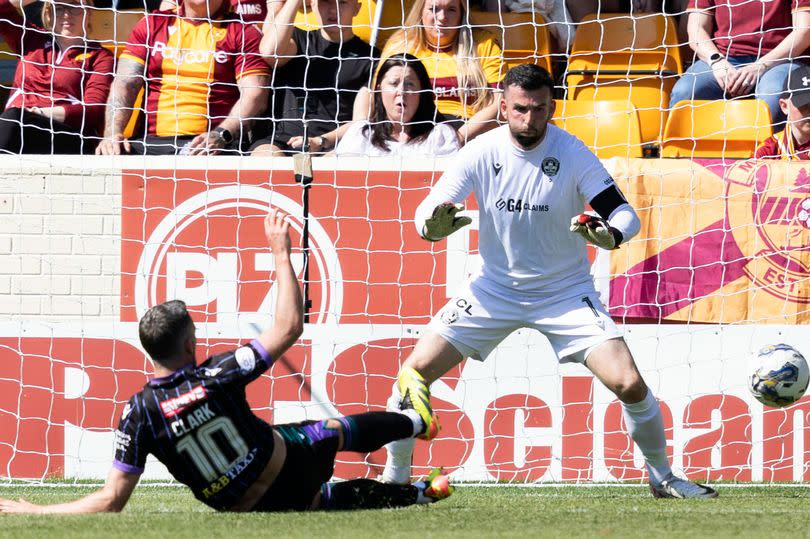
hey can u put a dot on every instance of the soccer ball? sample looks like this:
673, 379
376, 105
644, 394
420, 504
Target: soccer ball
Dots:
779, 375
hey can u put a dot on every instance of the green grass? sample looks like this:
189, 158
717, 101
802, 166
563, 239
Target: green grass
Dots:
568, 512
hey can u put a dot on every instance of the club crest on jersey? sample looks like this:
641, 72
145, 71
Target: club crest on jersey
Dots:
550, 166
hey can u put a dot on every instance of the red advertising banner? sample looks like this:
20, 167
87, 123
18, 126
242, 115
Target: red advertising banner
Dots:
198, 235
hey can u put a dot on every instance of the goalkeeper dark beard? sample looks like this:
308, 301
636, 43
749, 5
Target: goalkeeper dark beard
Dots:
529, 137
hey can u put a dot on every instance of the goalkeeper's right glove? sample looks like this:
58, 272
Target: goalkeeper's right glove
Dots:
444, 222
596, 230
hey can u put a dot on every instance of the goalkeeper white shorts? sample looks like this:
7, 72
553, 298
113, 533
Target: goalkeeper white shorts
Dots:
476, 321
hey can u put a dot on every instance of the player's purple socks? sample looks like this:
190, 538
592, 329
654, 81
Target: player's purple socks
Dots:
366, 494
646, 426
370, 431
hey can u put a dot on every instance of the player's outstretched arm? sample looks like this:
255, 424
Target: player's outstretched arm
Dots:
288, 322
111, 498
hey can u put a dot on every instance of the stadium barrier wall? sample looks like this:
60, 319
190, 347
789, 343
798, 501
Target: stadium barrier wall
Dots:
89, 243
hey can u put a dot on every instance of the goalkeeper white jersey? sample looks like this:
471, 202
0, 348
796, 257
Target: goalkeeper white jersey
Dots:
526, 200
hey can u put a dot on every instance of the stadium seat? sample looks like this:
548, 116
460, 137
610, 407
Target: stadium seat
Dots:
619, 42
645, 94
608, 128
524, 37
392, 19
716, 128
621, 57
112, 28
362, 24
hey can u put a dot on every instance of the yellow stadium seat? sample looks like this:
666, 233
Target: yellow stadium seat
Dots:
645, 94
608, 128
524, 37
392, 19
637, 58
619, 42
362, 23
716, 128
112, 28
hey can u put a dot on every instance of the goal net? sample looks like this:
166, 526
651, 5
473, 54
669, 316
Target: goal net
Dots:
718, 271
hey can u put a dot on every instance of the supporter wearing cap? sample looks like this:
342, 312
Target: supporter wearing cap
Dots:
61, 83
204, 78
794, 142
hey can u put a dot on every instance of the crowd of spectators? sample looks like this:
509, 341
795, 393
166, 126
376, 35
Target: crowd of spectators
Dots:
238, 77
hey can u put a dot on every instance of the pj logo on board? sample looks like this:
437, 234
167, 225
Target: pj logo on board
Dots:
210, 251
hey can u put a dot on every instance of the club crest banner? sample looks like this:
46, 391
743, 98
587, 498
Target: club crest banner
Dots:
721, 242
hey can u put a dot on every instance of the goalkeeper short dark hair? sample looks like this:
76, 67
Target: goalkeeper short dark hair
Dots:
529, 77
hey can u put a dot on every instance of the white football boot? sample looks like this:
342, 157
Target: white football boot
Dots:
675, 487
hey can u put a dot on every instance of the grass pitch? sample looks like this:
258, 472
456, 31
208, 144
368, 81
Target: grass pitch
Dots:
472, 512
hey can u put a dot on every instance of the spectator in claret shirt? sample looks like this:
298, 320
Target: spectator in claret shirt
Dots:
744, 48
318, 75
61, 83
205, 82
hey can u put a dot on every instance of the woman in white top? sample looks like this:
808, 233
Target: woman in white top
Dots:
403, 116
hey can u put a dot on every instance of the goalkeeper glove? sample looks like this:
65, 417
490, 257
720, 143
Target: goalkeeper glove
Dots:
596, 230
444, 222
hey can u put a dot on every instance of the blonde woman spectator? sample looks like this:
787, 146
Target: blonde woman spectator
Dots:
60, 87
403, 115
465, 65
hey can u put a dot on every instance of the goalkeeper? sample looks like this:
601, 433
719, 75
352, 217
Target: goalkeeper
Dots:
531, 181
196, 421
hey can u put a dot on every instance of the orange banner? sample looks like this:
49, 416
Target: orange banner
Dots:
721, 242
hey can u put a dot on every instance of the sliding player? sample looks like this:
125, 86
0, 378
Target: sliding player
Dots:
196, 421
531, 181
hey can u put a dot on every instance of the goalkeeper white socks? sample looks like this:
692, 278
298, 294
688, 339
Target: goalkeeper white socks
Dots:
646, 426
400, 452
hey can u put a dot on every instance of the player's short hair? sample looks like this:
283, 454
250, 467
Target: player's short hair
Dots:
164, 328
528, 77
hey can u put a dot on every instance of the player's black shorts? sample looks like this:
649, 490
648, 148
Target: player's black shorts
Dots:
310, 462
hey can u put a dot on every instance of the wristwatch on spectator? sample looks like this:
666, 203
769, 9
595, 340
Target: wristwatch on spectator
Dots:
321, 142
714, 58
224, 134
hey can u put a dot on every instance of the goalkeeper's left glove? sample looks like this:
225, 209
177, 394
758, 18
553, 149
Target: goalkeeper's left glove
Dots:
596, 230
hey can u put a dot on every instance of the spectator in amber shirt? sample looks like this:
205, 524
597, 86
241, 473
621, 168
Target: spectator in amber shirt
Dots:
205, 82
743, 48
56, 102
